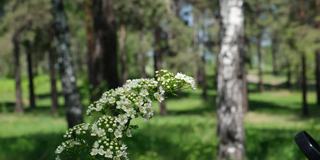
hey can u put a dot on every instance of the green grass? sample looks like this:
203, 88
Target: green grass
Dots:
188, 132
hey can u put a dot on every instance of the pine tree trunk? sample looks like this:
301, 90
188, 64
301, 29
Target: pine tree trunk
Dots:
204, 79
289, 75
244, 48
71, 95
158, 60
230, 82
274, 53
123, 54
201, 77
32, 100
305, 111
245, 100
243, 76
260, 74
318, 76
141, 57
17, 72
105, 62
90, 46
53, 82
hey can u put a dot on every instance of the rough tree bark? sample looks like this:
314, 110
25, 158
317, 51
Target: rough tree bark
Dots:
53, 81
17, 70
104, 62
32, 99
74, 108
123, 54
305, 110
158, 60
230, 82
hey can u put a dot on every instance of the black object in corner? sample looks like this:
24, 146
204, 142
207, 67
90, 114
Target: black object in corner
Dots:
308, 145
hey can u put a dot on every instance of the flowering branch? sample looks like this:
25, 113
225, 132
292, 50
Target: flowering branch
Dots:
112, 113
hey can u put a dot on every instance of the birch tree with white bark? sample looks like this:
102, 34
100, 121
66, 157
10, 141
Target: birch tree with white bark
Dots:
231, 82
73, 104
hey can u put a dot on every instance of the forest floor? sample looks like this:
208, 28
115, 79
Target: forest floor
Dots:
188, 132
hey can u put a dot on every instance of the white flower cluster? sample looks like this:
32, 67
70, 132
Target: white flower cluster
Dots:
115, 109
172, 83
110, 149
187, 79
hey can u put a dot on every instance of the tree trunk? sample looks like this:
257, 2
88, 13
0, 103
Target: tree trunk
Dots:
17, 72
260, 74
123, 54
53, 82
158, 60
289, 75
32, 100
201, 77
90, 46
305, 111
274, 53
230, 82
141, 57
245, 100
71, 95
243, 75
105, 62
318, 76
204, 79
243, 50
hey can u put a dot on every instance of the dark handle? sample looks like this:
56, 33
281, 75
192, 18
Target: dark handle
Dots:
308, 145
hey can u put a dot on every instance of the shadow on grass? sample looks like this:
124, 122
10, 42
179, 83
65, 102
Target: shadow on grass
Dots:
270, 107
169, 143
206, 106
8, 107
254, 87
209, 106
261, 144
37, 146
165, 142
267, 144
274, 108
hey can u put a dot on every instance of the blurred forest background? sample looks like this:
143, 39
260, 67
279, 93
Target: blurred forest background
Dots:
56, 57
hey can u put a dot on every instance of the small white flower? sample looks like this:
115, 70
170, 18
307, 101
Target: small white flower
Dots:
122, 119
158, 97
108, 154
123, 147
129, 134
118, 133
94, 151
144, 92
59, 149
